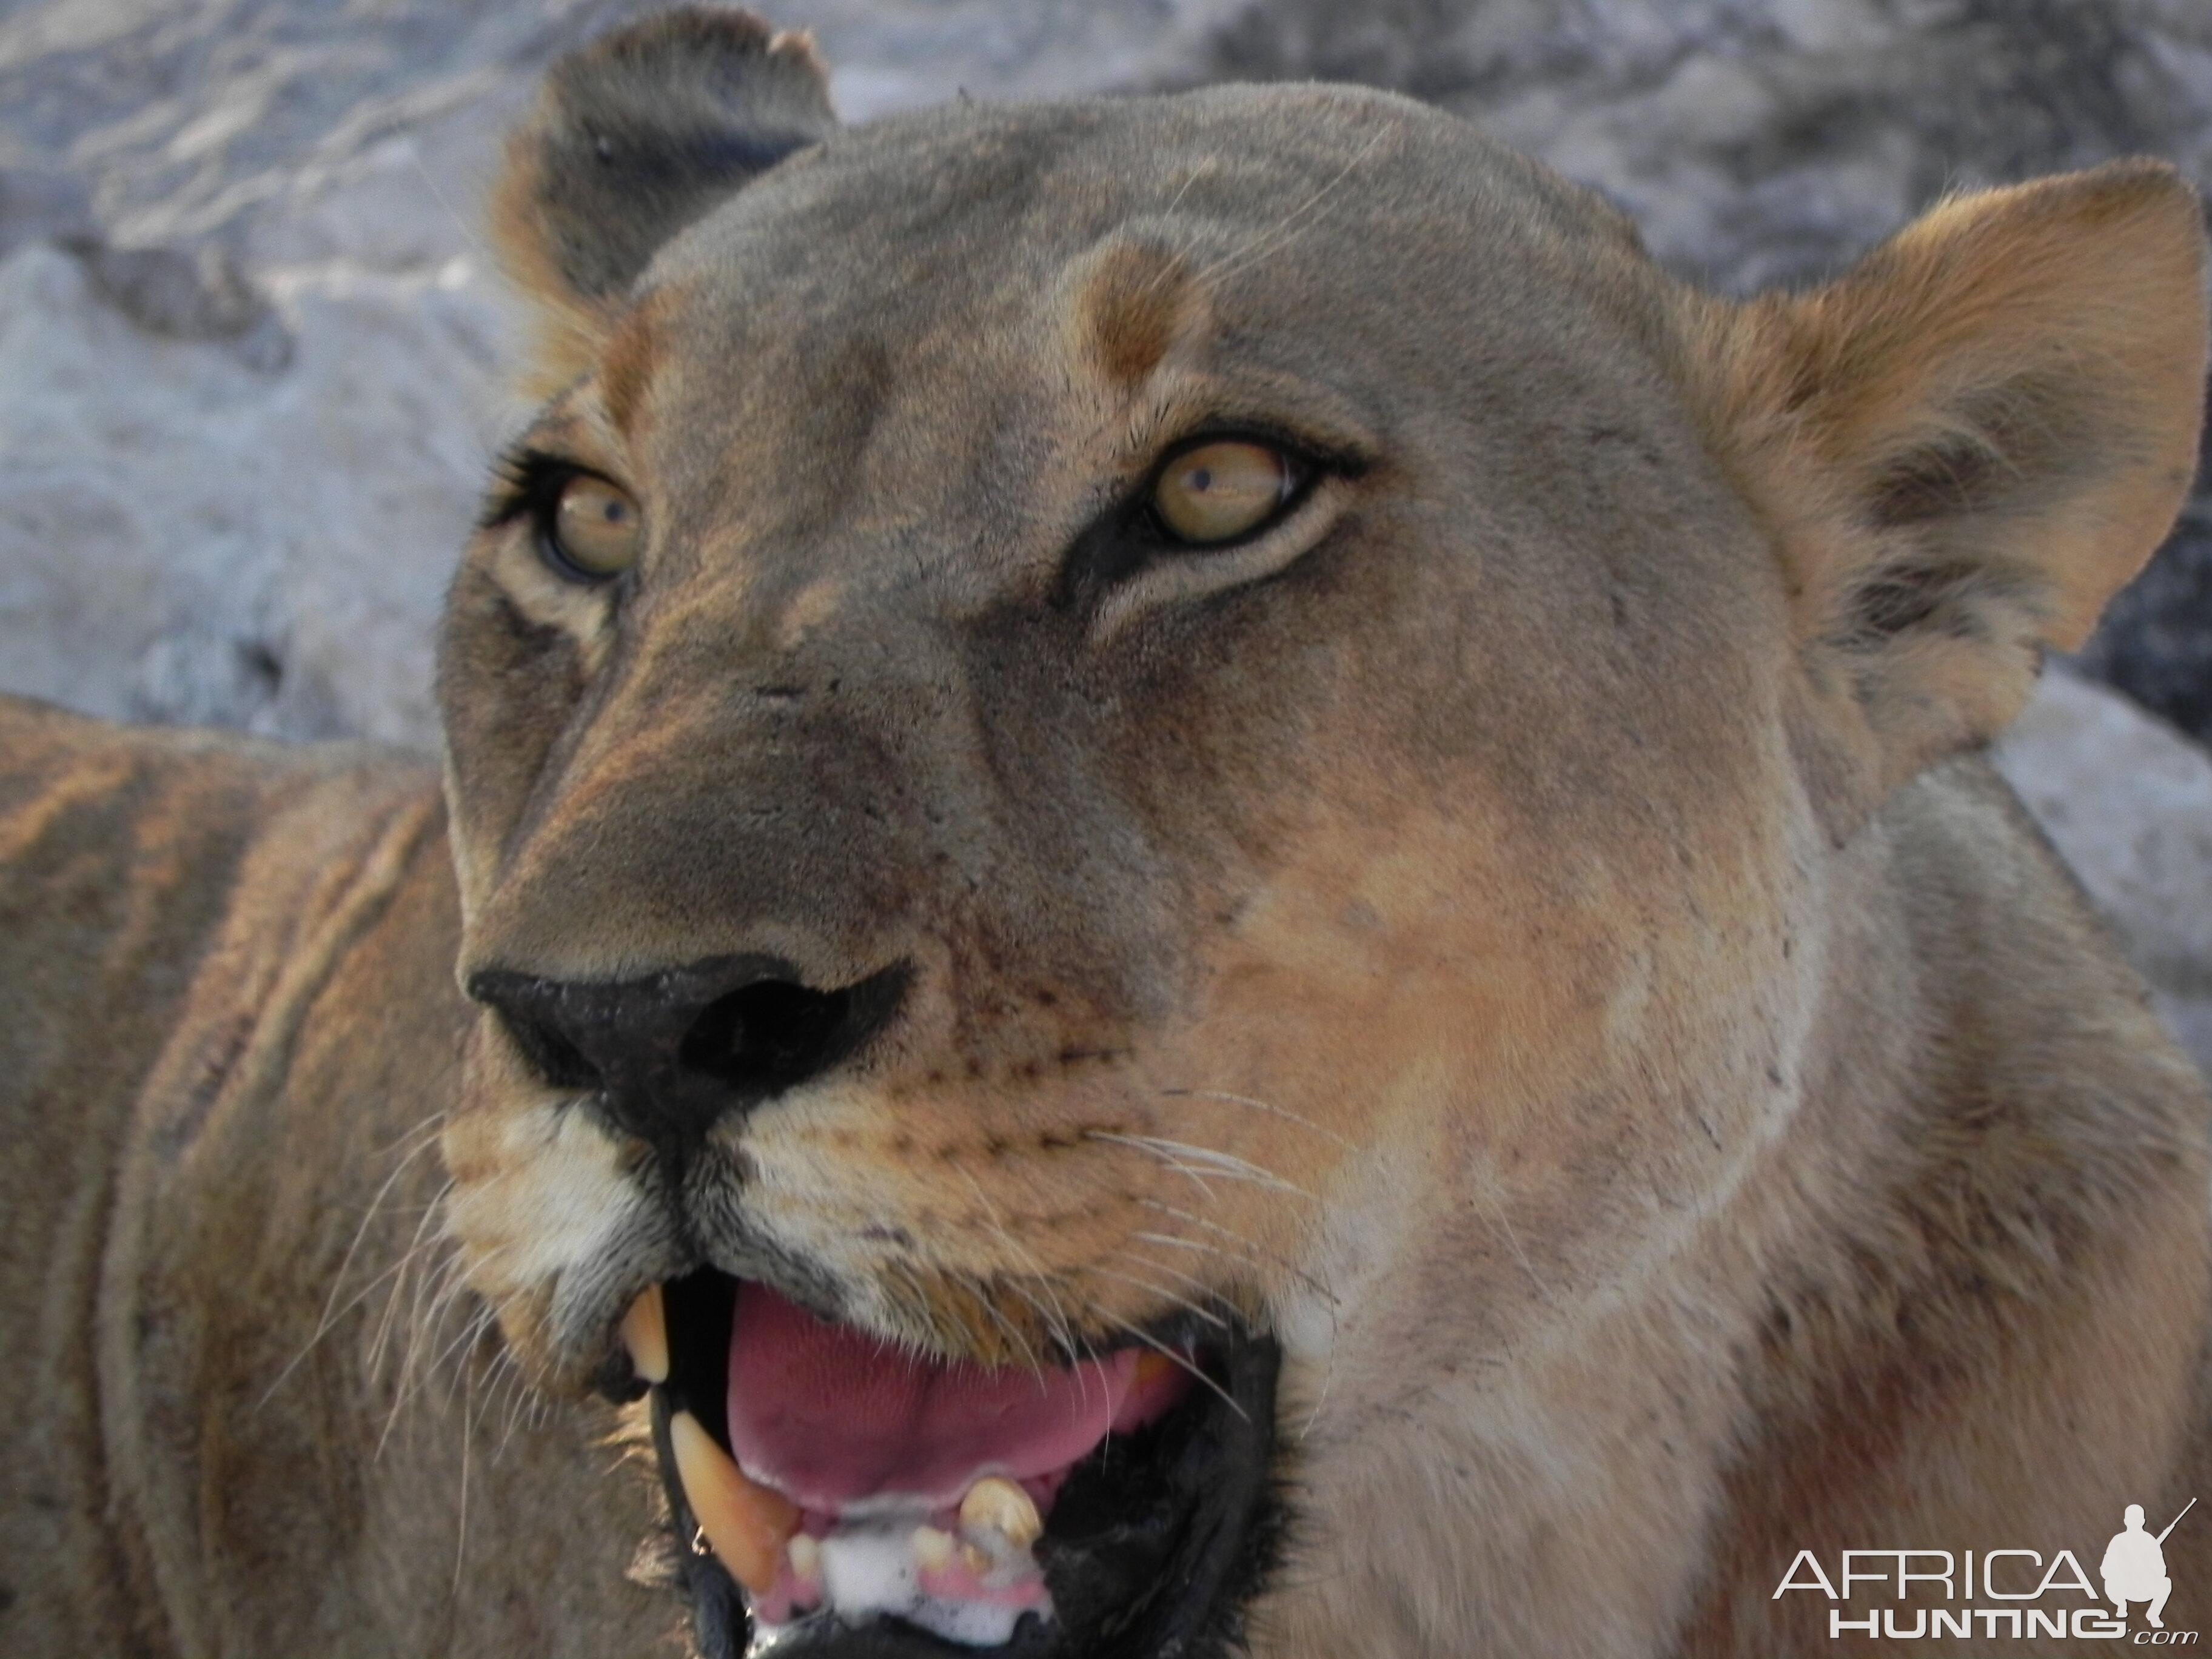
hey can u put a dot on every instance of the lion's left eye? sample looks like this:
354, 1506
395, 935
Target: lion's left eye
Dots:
595, 530
1218, 492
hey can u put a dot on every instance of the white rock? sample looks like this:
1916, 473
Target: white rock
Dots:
2129, 802
184, 537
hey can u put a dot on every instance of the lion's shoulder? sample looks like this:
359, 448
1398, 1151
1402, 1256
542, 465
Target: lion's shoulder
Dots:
126, 848
155, 881
171, 904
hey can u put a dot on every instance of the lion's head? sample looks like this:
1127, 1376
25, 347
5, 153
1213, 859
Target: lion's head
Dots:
1154, 801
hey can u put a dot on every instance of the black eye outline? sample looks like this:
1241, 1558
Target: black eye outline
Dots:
529, 485
1130, 535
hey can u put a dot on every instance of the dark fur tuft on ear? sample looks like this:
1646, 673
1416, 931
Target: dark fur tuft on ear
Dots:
636, 137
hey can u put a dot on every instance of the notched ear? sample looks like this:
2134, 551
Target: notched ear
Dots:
1963, 448
632, 138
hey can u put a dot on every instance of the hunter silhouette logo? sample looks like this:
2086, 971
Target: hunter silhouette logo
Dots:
1998, 1594
2134, 1569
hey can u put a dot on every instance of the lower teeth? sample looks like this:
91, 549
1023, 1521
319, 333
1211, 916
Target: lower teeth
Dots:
972, 1588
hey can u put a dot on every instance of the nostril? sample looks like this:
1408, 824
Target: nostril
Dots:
766, 1035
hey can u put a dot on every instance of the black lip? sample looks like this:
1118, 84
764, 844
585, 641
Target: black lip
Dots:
1155, 1546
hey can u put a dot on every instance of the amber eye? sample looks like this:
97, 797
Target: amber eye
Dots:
595, 530
1216, 492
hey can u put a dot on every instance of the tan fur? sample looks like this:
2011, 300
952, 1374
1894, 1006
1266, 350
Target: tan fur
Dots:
1529, 929
246, 1399
1135, 301
567, 329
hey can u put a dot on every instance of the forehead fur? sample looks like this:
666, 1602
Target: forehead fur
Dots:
1170, 201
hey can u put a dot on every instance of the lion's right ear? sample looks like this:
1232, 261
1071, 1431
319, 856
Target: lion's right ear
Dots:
632, 138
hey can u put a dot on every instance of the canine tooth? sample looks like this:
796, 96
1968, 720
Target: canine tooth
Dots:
806, 1551
645, 1334
745, 1524
977, 1558
1003, 1507
933, 1550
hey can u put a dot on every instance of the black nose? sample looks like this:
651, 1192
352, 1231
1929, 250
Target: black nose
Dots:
671, 1054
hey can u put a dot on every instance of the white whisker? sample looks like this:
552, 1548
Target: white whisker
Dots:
1057, 1322
409, 1260
1181, 1155
331, 1312
1282, 232
1165, 1295
1259, 1256
461, 1527
1171, 1355
1206, 1291
416, 1375
1287, 1115
1031, 1359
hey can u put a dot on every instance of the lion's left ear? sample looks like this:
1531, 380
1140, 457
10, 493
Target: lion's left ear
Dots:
1963, 448
632, 138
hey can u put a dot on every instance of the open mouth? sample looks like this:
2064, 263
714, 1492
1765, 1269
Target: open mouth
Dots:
842, 1497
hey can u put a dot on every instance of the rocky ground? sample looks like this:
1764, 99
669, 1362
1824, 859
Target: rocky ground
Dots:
250, 352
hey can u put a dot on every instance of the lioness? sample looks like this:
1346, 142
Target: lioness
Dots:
1200, 884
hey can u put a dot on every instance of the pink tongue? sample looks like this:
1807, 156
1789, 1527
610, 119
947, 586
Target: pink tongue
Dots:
827, 1415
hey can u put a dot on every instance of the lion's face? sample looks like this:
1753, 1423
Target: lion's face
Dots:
1146, 729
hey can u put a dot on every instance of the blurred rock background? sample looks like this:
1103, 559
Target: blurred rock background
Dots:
252, 353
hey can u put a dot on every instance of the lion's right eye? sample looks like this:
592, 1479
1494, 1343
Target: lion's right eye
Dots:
594, 531
1225, 491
